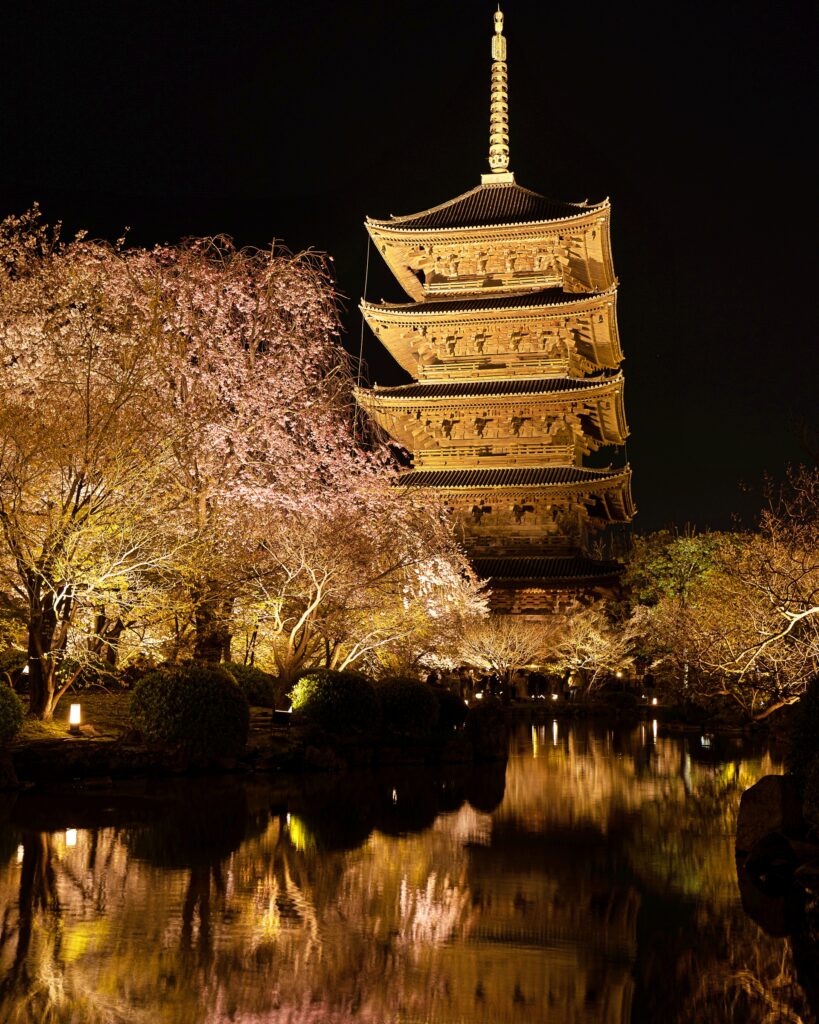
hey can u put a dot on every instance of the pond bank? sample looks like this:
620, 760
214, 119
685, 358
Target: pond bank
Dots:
107, 750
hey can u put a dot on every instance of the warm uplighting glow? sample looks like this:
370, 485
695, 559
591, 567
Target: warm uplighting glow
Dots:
554, 732
394, 797
654, 701
70, 837
479, 695
619, 674
20, 853
74, 718
654, 728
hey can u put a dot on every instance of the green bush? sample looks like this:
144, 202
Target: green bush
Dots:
341, 702
803, 736
408, 707
451, 710
12, 663
810, 799
198, 708
259, 687
11, 714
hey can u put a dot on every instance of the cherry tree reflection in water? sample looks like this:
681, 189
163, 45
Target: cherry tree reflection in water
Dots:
592, 882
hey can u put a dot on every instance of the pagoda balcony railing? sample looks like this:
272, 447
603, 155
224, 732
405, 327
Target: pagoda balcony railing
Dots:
507, 545
437, 284
485, 456
483, 368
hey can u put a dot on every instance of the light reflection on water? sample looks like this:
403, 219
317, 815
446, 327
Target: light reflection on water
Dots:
591, 879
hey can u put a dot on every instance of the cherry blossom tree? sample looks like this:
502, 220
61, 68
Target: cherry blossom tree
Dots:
178, 445
82, 460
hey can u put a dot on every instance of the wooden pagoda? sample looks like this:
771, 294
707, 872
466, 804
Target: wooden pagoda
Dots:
511, 339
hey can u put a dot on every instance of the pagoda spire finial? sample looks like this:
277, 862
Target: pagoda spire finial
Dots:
499, 110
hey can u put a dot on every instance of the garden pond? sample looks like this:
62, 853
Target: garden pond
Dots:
590, 878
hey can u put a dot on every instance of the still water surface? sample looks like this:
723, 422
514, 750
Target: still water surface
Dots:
590, 879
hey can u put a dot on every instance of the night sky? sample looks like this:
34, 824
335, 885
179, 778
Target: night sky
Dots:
294, 121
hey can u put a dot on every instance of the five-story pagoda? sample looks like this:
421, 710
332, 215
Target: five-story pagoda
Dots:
511, 338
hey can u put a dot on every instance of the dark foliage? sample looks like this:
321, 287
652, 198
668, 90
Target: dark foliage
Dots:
340, 702
12, 663
12, 714
408, 706
451, 710
803, 739
197, 708
810, 799
259, 687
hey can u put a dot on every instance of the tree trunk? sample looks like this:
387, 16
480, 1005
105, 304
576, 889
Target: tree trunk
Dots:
212, 624
41, 669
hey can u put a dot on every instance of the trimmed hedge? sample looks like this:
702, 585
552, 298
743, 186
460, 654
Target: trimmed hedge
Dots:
198, 708
12, 714
451, 710
408, 707
340, 702
803, 737
259, 687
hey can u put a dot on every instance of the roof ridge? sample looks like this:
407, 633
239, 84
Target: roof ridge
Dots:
571, 209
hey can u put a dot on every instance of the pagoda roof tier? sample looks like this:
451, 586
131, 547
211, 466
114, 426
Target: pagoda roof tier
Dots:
490, 205
610, 487
528, 300
495, 388
416, 333
597, 400
491, 239
546, 569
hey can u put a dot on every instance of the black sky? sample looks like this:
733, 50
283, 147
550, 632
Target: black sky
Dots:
262, 119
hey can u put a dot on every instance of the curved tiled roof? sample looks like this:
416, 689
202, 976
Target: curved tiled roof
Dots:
512, 476
487, 206
536, 567
522, 300
468, 389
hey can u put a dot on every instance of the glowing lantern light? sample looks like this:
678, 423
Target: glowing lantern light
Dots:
70, 837
21, 850
554, 696
74, 719
654, 701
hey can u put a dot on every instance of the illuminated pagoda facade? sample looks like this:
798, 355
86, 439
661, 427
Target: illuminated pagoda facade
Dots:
511, 339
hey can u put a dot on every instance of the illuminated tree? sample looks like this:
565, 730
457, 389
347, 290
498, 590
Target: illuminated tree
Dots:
83, 443
506, 642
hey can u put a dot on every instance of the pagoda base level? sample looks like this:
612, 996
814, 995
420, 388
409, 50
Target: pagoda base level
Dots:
545, 587
545, 599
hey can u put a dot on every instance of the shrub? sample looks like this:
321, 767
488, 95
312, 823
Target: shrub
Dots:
11, 714
451, 710
340, 702
804, 732
12, 663
259, 687
198, 708
408, 707
486, 729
